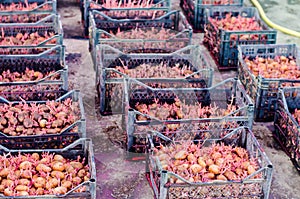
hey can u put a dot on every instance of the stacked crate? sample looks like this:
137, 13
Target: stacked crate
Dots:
159, 32
135, 8
263, 69
224, 31
38, 113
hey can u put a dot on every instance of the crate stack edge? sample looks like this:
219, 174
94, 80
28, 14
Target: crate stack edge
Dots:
264, 91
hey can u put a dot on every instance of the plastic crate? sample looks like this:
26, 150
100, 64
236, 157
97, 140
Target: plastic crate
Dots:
111, 90
82, 148
47, 25
52, 59
264, 91
248, 188
50, 141
219, 42
287, 128
173, 21
42, 6
28, 18
229, 91
194, 10
163, 5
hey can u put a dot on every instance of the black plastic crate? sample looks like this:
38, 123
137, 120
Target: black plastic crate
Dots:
173, 22
37, 6
65, 137
228, 92
222, 44
264, 91
90, 5
49, 28
194, 10
251, 187
287, 128
111, 89
81, 149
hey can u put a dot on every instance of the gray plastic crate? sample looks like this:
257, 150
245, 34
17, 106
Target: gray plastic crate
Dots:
287, 127
49, 141
42, 6
163, 5
220, 43
111, 89
52, 59
264, 91
249, 188
173, 21
82, 148
47, 25
194, 10
230, 91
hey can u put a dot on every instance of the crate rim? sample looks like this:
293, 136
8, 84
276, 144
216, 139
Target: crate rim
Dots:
228, 4
235, 79
100, 48
226, 117
62, 47
229, 9
35, 10
181, 15
93, 12
88, 2
43, 80
15, 24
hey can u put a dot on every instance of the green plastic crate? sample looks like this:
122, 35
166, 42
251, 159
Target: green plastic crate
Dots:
264, 91
194, 10
219, 42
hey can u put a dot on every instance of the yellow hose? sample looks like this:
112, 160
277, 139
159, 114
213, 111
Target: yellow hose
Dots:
271, 24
